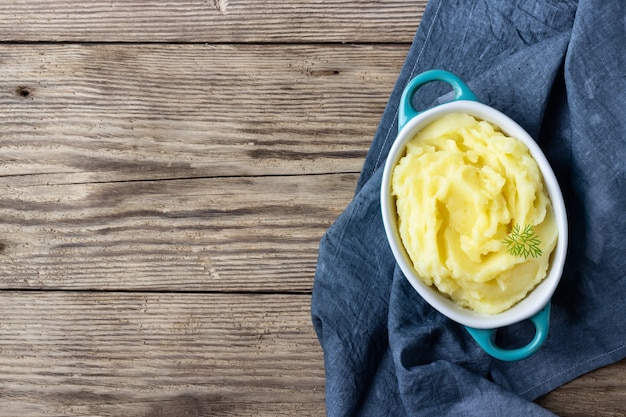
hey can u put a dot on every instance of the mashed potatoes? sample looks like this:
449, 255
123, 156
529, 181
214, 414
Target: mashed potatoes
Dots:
460, 190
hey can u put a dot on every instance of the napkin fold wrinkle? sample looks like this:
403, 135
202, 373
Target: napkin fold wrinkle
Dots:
557, 68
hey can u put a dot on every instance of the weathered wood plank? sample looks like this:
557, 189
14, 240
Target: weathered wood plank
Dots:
118, 354
213, 234
120, 112
601, 393
210, 21
113, 354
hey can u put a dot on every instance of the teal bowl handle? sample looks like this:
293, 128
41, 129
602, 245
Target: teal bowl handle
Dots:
407, 111
486, 338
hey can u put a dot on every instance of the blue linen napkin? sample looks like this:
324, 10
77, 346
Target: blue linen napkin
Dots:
558, 68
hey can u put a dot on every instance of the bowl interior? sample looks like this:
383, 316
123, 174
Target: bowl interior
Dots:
538, 297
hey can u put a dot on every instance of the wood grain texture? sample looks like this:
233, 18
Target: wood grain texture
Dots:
212, 21
212, 234
120, 354
164, 354
85, 113
600, 393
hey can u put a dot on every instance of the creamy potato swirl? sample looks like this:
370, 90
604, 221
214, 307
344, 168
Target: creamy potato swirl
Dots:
459, 190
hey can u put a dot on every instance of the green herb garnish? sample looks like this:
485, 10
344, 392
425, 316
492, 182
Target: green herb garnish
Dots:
523, 243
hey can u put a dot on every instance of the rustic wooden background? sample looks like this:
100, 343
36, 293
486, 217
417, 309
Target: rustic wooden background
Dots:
167, 170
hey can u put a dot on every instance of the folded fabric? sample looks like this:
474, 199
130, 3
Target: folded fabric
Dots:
557, 68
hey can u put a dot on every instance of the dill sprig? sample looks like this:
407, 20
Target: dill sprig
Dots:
523, 243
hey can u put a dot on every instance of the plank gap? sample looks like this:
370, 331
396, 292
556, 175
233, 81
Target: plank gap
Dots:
209, 42
205, 177
251, 292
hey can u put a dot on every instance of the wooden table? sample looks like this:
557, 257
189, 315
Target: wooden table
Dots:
167, 170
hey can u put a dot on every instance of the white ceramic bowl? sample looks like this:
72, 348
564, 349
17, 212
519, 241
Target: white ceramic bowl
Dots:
411, 122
